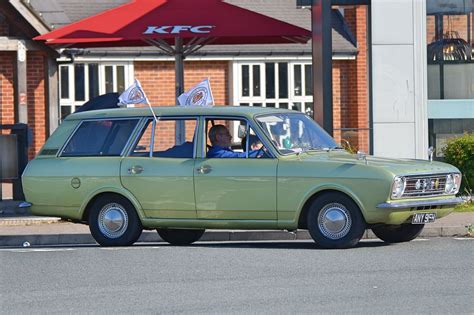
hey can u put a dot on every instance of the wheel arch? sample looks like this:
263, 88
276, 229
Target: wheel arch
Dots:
315, 194
84, 214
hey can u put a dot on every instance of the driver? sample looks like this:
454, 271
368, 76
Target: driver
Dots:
221, 140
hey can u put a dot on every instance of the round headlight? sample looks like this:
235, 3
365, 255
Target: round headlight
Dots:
398, 187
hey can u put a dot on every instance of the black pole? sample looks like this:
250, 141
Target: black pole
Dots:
322, 63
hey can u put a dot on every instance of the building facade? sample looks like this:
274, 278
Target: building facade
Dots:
389, 97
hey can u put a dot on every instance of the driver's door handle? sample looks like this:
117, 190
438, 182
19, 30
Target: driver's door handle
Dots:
204, 169
136, 169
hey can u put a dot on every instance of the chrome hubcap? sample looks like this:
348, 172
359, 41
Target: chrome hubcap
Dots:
113, 220
334, 221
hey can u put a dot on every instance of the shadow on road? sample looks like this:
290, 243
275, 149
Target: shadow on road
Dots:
307, 245
310, 245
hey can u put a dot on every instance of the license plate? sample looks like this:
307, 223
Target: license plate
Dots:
422, 218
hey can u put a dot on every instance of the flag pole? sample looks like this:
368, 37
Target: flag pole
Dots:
151, 109
146, 99
210, 90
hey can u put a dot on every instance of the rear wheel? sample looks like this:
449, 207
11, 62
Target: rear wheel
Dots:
335, 221
398, 233
180, 237
113, 221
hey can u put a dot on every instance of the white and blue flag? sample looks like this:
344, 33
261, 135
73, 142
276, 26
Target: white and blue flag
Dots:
198, 95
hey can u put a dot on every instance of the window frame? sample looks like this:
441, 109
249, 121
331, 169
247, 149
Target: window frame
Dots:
73, 133
144, 125
71, 100
238, 98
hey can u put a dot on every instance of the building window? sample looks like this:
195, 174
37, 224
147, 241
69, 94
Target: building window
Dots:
274, 84
449, 31
81, 82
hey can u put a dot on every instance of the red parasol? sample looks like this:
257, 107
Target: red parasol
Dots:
177, 27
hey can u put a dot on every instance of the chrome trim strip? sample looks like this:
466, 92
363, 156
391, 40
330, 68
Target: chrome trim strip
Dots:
152, 140
25, 204
421, 203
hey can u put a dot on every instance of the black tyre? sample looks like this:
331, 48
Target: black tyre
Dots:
113, 221
335, 221
398, 233
180, 237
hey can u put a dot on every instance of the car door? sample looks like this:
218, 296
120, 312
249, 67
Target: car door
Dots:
159, 172
235, 188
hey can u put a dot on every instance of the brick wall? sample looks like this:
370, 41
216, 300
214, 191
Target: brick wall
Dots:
353, 88
161, 74
7, 113
338, 97
36, 100
35, 95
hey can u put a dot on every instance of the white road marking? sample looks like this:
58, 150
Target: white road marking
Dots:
31, 250
464, 238
130, 248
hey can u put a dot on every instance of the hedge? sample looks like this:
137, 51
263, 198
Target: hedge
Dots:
460, 153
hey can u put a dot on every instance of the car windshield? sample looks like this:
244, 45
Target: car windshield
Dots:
295, 132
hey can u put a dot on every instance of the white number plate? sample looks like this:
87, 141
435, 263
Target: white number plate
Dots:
422, 218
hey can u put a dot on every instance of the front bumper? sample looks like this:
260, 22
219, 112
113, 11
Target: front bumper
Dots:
420, 203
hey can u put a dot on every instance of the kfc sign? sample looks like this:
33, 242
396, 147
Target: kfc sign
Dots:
201, 29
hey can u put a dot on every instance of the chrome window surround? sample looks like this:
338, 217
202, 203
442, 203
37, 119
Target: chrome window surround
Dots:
279, 112
145, 124
60, 152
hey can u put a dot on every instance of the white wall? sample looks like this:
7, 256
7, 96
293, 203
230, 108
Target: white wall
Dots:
399, 78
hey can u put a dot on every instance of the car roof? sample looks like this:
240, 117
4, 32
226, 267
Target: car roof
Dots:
176, 111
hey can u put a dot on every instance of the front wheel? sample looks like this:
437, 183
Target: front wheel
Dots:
335, 221
113, 221
180, 237
398, 233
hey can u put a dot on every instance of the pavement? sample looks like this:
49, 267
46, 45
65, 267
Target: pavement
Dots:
18, 226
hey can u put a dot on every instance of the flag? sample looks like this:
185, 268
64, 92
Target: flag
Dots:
198, 95
134, 94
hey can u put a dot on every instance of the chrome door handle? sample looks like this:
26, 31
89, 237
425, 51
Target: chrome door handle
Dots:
204, 169
136, 169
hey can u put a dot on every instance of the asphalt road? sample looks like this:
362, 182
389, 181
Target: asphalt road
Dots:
424, 276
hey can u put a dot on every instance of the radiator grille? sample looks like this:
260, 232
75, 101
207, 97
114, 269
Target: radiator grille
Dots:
424, 185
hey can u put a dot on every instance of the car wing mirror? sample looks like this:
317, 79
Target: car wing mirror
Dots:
242, 131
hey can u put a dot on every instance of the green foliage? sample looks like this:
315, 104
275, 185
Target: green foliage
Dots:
470, 229
460, 153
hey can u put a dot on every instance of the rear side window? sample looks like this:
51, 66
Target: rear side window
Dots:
100, 138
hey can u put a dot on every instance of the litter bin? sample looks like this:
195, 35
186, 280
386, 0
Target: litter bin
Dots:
14, 156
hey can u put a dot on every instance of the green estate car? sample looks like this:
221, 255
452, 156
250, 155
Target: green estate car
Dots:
124, 170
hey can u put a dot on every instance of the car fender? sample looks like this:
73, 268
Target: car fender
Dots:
117, 191
335, 187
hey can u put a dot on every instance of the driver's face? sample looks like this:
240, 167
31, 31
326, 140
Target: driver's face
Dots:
224, 138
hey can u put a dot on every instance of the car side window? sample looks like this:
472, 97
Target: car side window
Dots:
222, 142
159, 139
105, 137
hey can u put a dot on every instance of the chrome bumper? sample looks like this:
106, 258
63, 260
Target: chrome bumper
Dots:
420, 203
